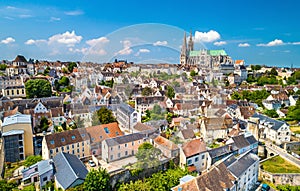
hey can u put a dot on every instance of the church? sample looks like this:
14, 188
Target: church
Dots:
201, 59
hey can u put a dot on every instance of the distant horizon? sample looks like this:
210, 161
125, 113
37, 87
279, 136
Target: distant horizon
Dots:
256, 31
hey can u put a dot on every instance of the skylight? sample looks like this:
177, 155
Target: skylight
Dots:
106, 130
62, 139
52, 142
73, 137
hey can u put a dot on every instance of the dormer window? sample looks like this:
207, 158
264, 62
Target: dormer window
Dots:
73, 137
52, 142
62, 139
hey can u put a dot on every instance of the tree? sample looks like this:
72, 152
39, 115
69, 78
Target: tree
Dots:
29, 188
147, 91
3, 66
170, 92
103, 116
64, 81
38, 88
138, 185
272, 113
79, 123
97, 180
7, 186
44, 124
193, 73
274, 72
30, 160
294, 111
156, 109
46, 71
71, 66
147, 156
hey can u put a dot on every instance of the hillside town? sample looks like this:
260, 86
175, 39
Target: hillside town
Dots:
217, 122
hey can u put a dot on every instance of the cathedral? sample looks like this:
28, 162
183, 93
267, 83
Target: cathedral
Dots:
201, 59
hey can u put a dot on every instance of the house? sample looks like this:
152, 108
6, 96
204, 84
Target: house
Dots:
18, 137
76, 142
122, 146
271, 104
99, 133
167, 147
41, 172
265, 127
245, 169
218, 178
186, 134
69, 171
143, 103
241, 143
293, 99
234, 79
212, 128
217, 154
14, 91
193, 154
280, 96
127, 117
7, 81
140, 127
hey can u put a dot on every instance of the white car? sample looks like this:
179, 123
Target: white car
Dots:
92, 163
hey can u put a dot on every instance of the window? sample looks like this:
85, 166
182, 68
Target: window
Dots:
82, 135
119, 155
82, 143
189, 161
111, 148
51, 151
62, 139
62, 148
52, 142
72, 146
203, 156
132, 143
117, 133
111, 157
100, 136
68, 147
73, 137
56, 150
196, 159
125, 144
45, 179
106, 130
78, 151
126, 153
119, 146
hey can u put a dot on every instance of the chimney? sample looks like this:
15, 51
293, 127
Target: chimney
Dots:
230, 147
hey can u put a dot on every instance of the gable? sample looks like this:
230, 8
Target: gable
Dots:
40, 108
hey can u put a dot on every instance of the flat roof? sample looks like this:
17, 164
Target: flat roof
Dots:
13, 132
17, 118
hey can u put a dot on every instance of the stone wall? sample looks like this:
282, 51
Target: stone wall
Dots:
291, 146
1, 158
125, 176
281, 178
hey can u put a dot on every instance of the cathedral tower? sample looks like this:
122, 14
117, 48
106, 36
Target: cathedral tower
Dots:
191, 43
183, 54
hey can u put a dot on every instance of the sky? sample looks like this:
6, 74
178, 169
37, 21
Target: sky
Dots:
260, 32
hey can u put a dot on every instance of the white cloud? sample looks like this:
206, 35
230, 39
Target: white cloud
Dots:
25, 16
295, 43
244, 45
220, 43
8, 40
209, 36
31, 41
97, 41
276, 42
160, 43
126, 48
68, 38
52, 19
74, 13
144, 50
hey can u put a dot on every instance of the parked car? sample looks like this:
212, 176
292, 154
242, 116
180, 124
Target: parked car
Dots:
265, 187
91, 163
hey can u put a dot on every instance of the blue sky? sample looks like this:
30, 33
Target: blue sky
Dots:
261, 32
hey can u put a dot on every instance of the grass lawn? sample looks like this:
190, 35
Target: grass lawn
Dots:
279, 165
295, 129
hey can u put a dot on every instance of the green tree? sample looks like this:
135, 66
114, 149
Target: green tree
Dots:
170, 92
138, 185
271, 113
29, 188
97, 180
147, 91
156, 109
147, 156
44, 124
236, 96
71, 66
103, 116
7, 186
193, 73
38, 88
46, 71
79, 123
30, 160
294, 111
64, 81
3, 66
274, 72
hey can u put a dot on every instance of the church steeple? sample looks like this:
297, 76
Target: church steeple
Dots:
191, 43
183, 47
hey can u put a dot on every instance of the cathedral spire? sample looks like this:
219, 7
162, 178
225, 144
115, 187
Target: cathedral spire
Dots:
183, 48
191, 43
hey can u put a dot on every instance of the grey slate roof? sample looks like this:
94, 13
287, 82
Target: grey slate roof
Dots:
276, 124
240, 141
126, 108
239, 165
125, 139
222, 150
251, 139
68, 169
